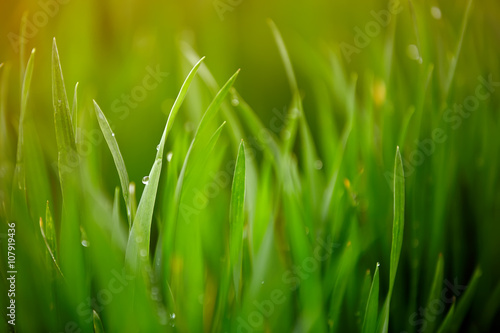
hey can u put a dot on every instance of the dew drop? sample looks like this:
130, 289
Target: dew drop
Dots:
318, 164
169, 156
172, 320
262, 282
112, 134
144, 253
158, 148
85, 243
235, 102
413, 53
436, 12
145, 180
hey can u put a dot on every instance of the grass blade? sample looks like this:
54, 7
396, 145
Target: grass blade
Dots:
74, 110
97, 323
435, 293
236, 221
64, 130
19, 175
109, 136
71, 254
397, 236
465, 301
448, 320
50, 232
237, 218
284, 55
371, 313
22, 46
398, 223
138, 243
200, 131
49, 249
454, 60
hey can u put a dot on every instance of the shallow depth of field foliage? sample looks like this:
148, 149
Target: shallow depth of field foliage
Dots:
250, 166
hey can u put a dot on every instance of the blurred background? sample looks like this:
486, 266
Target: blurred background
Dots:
107, 47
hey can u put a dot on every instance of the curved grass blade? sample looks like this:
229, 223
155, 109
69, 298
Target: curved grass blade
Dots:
109, 136
50, 232
71, 254
435, 293
456, 55
98, 328
339, 154
397, 236
6, 144
465, 301
398, 223
62, 117
448, 320
19, 175
207, 77
22, 46
363, 296
284, 55
297, 118
49, 250
237, 218
74, 110
200, 131
371, 313
214, 106
138, 244
236, 221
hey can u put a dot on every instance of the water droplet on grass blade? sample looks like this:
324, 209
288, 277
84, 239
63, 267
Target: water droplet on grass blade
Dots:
413, 53
169, 156
436, 12
158, 148
318, 164
145, 180
172, 320
85, 243
235, 102
112, 134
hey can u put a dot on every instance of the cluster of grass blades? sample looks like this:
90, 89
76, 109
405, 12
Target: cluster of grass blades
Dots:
231, 234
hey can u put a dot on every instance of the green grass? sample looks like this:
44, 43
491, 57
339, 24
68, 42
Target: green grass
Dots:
262, 203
